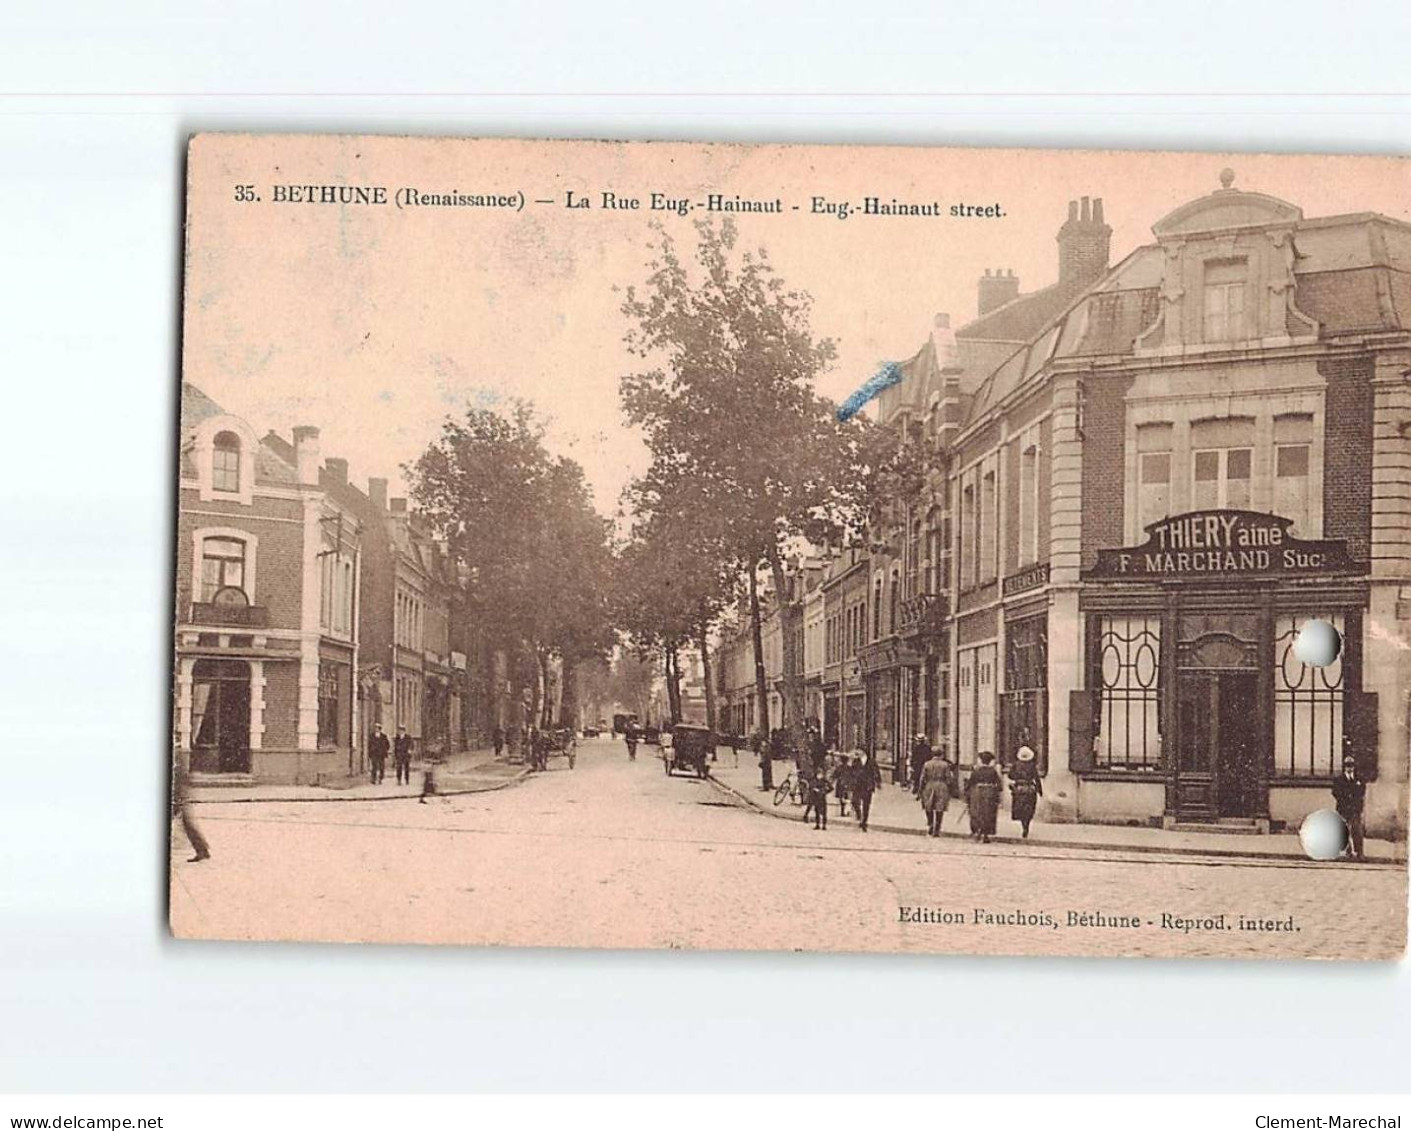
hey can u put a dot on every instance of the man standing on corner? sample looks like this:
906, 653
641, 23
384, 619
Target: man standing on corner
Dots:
402, 756
1350, 795
377, 750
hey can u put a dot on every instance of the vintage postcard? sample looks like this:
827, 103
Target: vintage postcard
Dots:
606, 544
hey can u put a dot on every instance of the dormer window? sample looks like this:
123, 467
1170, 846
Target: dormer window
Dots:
1225, 283
225, 463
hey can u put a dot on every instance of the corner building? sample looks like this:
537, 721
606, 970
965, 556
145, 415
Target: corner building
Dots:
1206, 446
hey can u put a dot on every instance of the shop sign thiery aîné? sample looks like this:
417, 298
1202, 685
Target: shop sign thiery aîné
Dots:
1214, 542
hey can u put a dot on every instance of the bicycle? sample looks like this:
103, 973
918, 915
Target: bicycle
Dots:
792, 788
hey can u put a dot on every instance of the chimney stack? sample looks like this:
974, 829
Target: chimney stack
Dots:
338, 469
377, 493
997, 289
306, 453
1084, 243
399, 506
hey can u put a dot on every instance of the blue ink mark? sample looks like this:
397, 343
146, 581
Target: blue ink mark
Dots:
888, 375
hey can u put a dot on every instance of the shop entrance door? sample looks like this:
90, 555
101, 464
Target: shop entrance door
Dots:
220, 741
1218, 727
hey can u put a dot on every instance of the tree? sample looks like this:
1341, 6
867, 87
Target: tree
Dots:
521, 524
674, 579
728, 405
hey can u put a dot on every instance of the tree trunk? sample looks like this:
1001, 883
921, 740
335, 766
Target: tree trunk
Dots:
761, 684
789, 616
568, 695
673, 684
543, 708
704, 645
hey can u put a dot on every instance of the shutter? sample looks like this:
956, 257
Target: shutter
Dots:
1081, 717
1359, 731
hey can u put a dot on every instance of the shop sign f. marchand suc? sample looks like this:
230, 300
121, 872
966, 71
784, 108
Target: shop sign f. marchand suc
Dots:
1213, 543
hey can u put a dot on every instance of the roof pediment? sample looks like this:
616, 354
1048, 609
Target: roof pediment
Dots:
1224, 209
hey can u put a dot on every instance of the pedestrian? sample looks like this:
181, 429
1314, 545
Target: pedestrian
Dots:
1350, 794
402, 756
1025, 786
982, 794
760, 743
497, 736
428, 782
734, 741
920, 755
842, 774
935, 777
864, 784
181, 803
629, 732
378, 748
817, 751
818, 798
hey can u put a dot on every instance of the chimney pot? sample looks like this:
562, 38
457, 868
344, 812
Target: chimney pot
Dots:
996, 289
306, 454
1097, 210
377, 493
1087, 210
1073, 211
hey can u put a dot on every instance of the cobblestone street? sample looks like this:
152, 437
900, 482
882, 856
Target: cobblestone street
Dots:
617, 854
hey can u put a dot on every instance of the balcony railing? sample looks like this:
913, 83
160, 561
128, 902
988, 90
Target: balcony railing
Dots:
922, 612
229, 616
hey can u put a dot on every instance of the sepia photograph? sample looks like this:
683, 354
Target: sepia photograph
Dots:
805, 548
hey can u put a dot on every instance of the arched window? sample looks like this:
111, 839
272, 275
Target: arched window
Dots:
222, 566
225, 462
894, 605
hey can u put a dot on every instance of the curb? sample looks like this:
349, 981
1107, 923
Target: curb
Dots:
1044, 842
514, 779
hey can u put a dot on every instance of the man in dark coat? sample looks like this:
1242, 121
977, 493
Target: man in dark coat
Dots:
402, 756
920, 755
865, 780
1350, 795
497, 736
377, 750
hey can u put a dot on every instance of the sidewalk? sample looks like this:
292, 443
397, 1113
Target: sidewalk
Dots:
471, 771
895, 810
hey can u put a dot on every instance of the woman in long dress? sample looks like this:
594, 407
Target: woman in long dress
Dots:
982, 794
1025, 787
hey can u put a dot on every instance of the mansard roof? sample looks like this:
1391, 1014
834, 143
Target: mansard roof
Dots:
1352, 274
271, 464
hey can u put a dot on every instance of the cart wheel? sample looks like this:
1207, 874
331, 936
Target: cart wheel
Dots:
782, 792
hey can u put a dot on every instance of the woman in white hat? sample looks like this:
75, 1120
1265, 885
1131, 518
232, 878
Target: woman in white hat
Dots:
1025, 786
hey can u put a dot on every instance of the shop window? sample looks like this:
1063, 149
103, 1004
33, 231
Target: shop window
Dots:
222, 566
1308, 706
1025, 701
1129, 671
1225, 281
327, 704
225, 463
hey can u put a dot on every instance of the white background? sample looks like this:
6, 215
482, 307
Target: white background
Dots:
96, 103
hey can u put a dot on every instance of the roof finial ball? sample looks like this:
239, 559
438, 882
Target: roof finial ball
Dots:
1227, 178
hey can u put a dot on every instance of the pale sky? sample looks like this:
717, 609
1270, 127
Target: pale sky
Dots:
374, 323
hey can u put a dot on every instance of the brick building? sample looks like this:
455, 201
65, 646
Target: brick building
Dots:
1174, 463
267, 580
